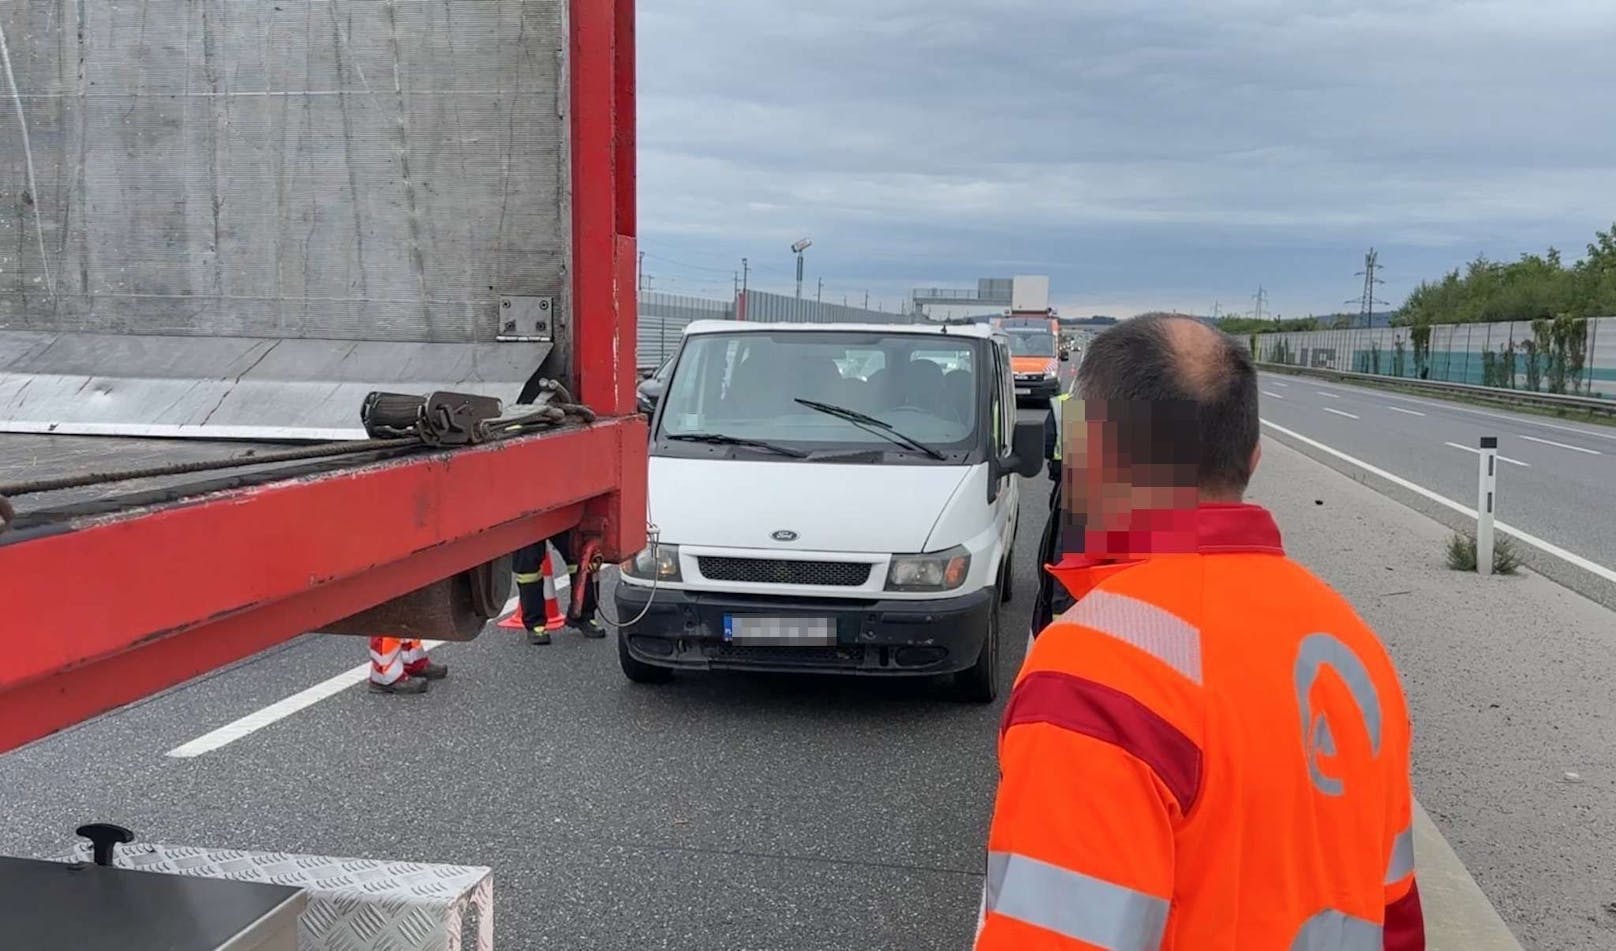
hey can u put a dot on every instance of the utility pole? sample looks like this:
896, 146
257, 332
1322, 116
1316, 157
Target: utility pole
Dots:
819, 296
641, 278
1366, 303
866, 300
1262, 299
746, 275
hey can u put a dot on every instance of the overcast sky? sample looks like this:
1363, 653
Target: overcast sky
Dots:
1144, 153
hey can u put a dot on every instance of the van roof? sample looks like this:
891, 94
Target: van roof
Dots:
935, 330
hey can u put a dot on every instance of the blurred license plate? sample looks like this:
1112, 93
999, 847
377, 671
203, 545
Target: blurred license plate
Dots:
780, 631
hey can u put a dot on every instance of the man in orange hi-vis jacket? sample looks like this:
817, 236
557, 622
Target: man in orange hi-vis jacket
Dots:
1209, 749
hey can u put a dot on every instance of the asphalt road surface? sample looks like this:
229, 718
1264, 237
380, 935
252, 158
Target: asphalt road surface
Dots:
721, 811
1556, 480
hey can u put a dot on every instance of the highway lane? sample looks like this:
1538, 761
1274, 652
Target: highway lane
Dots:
1557, 480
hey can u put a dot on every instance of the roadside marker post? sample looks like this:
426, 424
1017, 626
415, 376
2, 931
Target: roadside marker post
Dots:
1486, 500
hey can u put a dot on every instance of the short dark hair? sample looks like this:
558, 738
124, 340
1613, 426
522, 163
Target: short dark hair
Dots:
1181, 399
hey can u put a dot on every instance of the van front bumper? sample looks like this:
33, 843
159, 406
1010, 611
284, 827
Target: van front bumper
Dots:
684, 630
1047, 388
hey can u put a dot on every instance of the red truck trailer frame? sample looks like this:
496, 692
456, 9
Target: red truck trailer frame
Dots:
105, 609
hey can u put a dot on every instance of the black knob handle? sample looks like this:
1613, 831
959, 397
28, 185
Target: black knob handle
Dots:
103, 836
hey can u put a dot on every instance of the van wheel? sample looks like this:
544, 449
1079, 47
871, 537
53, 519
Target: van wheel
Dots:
980, 682
638, 671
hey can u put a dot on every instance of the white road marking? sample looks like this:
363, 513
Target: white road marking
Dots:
1411, 412
1333, 396
1546, 547
1339, 413
1278, 384
1273, 394
1518, 419
277, 711
1550, 442
1501, 458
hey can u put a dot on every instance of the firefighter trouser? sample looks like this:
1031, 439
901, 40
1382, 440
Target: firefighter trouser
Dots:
528, 565
392, 657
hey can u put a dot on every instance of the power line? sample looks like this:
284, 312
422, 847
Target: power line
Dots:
685, 264
1366, 303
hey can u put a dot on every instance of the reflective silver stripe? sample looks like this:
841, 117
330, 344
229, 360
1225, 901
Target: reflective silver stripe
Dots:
1074, 905
1401, 865
1336, 931
533, 578
1060, 435
1159, 633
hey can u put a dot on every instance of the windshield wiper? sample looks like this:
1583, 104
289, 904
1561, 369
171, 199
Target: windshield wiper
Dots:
722, 439
880, 427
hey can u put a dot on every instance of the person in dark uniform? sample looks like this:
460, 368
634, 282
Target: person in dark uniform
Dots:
1053, 598
584, 596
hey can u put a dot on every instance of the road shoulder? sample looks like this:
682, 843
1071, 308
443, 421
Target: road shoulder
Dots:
1509, 680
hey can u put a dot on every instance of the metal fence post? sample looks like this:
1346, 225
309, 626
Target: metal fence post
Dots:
1486, 498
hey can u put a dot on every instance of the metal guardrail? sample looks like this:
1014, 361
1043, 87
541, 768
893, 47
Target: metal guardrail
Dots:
1586, 404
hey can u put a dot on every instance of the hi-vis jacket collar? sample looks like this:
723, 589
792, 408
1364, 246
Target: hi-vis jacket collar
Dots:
1208, 529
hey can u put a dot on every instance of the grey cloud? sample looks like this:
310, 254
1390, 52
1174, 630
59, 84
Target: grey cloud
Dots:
1442, 126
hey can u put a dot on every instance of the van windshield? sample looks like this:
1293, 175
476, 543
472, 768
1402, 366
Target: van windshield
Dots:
759, 386
1024, 343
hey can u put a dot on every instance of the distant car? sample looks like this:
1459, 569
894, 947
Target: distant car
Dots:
650, 389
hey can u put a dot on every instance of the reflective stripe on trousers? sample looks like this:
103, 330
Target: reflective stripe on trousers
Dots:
1074, 905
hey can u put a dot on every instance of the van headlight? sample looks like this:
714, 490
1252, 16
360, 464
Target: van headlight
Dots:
657, 563
943, 571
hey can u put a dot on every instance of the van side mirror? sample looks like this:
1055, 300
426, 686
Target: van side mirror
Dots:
1026, 457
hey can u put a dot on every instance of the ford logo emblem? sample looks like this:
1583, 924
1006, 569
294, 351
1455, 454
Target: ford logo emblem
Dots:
784, 535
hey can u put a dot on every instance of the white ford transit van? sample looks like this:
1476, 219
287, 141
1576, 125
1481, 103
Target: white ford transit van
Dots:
830, 497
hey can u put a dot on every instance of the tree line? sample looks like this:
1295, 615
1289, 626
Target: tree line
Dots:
1537, 287
1553, 298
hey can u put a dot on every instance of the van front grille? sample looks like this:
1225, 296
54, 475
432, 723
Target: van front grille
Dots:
832, 574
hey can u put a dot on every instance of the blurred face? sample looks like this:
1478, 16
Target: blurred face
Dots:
1102, 484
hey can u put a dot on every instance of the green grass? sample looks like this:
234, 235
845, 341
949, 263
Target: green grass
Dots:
1462, 554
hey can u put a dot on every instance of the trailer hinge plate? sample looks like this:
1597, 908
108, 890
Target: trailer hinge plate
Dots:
526, 320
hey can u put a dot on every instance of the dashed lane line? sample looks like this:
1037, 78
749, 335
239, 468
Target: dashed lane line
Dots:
1518, 419
1561, 445
276, 712
1273, 394
1339, 412
1410, 412
1333, 396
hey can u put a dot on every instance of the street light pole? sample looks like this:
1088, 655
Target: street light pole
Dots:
798, 247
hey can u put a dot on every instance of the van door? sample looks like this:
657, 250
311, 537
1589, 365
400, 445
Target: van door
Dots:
1007, 501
